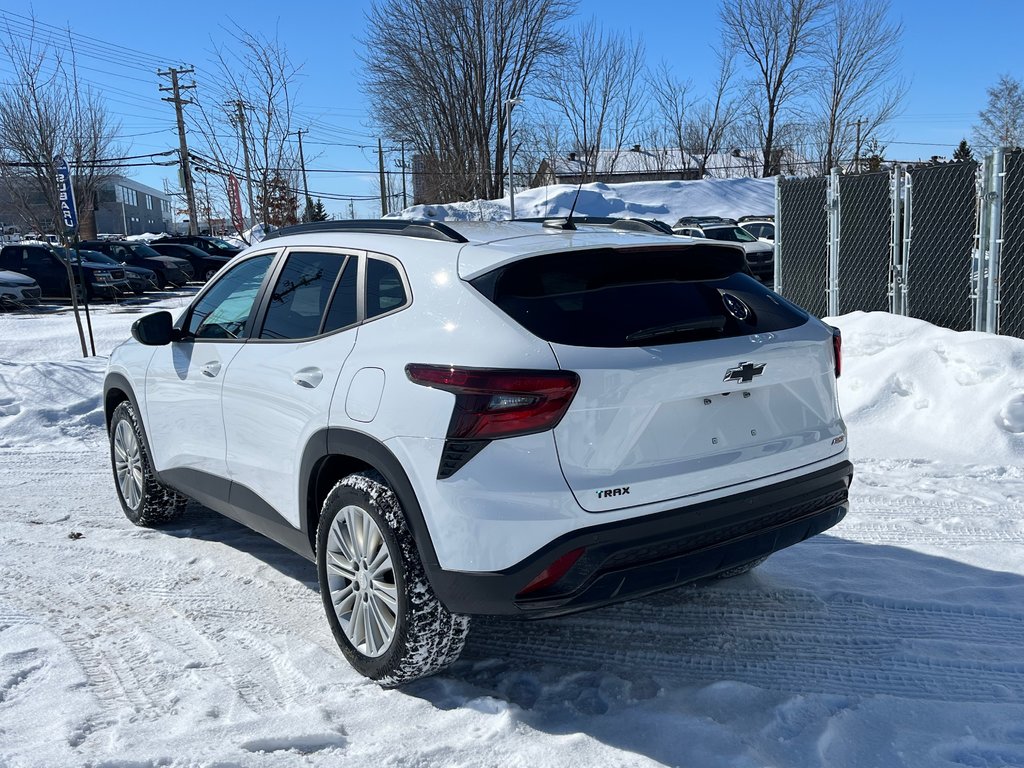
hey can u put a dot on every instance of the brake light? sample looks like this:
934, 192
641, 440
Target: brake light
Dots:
553, 572
837, 350
499, 402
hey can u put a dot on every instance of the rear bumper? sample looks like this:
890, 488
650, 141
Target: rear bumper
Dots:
631, 558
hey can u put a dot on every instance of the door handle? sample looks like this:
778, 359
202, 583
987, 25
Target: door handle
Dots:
308, 377
211, 369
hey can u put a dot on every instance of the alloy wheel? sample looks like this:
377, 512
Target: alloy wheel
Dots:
128, 464
361, 579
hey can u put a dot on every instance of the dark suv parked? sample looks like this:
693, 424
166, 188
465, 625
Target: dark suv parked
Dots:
44, 265
212, 245
168, 270
139, 278
206, 265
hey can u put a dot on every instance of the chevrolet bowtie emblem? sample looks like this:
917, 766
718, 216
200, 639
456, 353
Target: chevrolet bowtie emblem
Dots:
744, 372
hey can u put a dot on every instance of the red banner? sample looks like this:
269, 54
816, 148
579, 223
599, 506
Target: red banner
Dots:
235, 203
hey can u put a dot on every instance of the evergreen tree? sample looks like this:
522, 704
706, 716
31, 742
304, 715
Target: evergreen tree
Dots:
963, 153
317, 212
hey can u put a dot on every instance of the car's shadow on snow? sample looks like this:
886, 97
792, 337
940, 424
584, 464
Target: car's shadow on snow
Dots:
833, 617
204, 524
841, 619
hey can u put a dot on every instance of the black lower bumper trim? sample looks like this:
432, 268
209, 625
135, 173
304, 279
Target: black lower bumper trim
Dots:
635, 557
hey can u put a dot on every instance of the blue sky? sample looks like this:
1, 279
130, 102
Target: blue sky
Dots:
952, 52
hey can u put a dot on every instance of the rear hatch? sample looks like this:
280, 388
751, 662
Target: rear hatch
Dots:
693, 376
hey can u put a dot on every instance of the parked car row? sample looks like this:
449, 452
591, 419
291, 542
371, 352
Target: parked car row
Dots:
760, 252
106, 269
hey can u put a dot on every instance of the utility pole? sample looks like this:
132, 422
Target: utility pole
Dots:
405, 199
305, 186
186, 167
856, 155
383, 188
243, 134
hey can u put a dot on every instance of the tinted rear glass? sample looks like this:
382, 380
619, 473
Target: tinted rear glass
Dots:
611, 298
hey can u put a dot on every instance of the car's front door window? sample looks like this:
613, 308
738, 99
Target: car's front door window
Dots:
223, 311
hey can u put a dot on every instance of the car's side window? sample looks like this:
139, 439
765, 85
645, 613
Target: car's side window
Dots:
344, 309
300, 297
385, 290
224, 309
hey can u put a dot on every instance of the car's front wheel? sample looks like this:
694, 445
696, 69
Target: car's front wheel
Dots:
380, 605
144, 500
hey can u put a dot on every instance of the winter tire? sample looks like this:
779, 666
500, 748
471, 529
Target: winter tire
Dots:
384, 614
144, 500
208, 276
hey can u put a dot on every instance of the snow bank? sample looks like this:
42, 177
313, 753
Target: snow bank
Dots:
910, 390
665, 200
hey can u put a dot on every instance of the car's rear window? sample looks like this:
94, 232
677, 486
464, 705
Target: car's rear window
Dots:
636, 298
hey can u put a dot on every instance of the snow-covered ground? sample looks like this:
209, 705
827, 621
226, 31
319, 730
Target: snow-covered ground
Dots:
896, 639
665, 200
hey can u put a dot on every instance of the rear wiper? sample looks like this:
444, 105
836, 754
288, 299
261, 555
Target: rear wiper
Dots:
715, 323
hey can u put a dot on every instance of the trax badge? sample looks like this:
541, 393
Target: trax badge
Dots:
744, 372
613, 492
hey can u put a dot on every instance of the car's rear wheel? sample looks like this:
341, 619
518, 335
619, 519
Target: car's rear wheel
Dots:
144, 500
208, 274
384, 614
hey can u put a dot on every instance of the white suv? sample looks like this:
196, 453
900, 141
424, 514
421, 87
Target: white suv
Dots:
484, 418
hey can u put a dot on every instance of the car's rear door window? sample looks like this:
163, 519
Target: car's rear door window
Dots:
302, 294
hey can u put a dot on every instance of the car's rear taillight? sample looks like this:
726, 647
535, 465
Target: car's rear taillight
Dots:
837, 350
499, 402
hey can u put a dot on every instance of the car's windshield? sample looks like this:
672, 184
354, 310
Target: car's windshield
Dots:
730, 234
94, 256
141, 250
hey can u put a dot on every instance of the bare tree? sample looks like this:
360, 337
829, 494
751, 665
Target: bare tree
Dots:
596, 89
249, 96
1001, 122
712, 119
775, 37
671, 106
438, 74
46, 112
858, 80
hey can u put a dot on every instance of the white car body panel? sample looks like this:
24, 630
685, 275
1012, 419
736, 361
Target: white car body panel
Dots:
269, 416
184, 413
661, 421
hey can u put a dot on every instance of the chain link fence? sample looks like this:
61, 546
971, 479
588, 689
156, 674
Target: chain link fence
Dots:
1011, 257
943, 218
865, 242
943, 243
802, 243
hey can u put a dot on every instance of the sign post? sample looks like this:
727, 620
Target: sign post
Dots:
68, 214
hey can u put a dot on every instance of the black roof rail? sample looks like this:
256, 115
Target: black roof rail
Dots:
430, 230
624, 224
765, 217
698, 220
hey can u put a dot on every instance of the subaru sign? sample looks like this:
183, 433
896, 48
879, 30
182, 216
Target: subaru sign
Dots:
66, 196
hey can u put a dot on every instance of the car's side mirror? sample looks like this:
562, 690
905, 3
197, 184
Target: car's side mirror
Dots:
155, 330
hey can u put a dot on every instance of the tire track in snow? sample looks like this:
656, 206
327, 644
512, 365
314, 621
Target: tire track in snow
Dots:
787, 641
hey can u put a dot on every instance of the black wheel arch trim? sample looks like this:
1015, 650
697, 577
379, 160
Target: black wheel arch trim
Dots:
117, 381
349, 443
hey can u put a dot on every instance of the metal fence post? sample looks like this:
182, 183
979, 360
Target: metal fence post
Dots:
896, 279
995, 242
833, 243
979, 254
777, 283
908, 230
